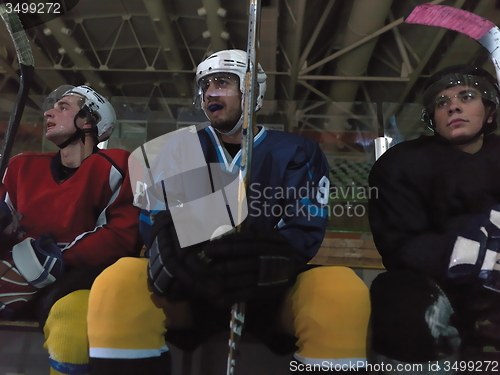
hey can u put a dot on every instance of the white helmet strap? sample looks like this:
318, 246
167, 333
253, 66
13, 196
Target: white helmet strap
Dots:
234, 129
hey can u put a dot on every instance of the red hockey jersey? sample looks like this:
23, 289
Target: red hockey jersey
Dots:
90, 214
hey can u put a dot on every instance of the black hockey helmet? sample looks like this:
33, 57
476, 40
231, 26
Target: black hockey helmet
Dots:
463, 75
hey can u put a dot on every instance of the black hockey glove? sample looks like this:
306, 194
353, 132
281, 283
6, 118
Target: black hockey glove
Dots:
476, 251
239, 267
166, 259
233, 268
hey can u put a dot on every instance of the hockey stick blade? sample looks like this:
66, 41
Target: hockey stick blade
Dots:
478, 28
26, 63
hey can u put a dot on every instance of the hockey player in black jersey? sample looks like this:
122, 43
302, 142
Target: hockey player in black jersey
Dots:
435, 223
190, 281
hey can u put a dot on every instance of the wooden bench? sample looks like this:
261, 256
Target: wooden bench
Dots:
356, 250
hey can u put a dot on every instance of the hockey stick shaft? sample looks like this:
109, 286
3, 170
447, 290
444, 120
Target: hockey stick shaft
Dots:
249, 121
26, 64
478, 28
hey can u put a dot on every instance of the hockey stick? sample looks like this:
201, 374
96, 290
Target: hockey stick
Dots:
480, 29
26, 64
249, 121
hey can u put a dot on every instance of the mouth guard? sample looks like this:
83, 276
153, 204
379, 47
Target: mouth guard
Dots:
214, 107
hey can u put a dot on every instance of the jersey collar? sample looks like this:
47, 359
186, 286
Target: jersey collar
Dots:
227, 163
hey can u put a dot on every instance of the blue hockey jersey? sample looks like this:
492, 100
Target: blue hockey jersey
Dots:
190, 173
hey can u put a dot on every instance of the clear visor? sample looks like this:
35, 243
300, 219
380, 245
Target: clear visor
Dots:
222, 83
55, 96
475, 88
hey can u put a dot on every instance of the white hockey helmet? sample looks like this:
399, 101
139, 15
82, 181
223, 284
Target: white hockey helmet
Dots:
228, 61
98, 108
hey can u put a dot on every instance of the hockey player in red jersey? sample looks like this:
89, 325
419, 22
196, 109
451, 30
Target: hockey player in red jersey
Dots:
194, 280
65, 217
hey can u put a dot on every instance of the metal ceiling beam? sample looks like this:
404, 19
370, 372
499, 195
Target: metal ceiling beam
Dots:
267, 54
50, 80
294, 49
425, 59
217, 31
343, 51
70, 46
12, 72
406, 68
163, 29
315, 34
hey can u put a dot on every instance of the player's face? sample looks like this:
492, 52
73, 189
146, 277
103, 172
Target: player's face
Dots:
60, 119
459, 113
222, 100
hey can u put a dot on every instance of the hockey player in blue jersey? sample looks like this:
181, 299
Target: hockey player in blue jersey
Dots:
186, 185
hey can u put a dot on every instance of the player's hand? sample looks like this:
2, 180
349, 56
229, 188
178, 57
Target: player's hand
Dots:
10, 220
476, 251
235, 267
490, 267
39, 260
166, 258
242, 266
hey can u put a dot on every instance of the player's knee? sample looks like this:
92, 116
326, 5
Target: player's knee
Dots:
331, 309
122, 311
69, 310
333, 285
332, 293
66, 328
411, 318
121, 274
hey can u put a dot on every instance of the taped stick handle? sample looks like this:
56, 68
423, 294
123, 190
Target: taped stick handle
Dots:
27, 67
27, 74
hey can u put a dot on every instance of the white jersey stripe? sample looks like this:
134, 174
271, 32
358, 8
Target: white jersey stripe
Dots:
126, 353
115, 179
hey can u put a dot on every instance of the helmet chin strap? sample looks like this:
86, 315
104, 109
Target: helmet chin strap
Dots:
234, 129
79, 134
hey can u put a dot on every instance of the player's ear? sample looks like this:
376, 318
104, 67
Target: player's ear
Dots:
491, 116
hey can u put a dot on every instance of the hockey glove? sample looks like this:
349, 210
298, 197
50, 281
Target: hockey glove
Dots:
32, 264
39, 261
239, 267
10, 220
166, 258
490, 268
475, 251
